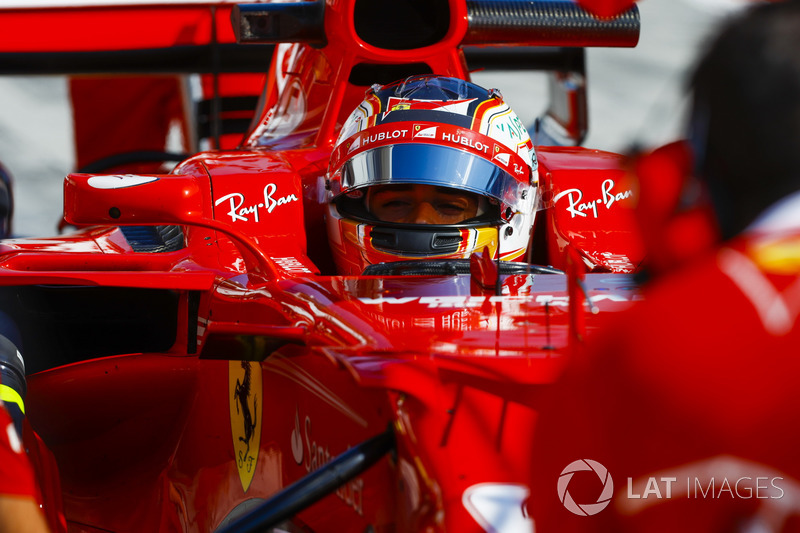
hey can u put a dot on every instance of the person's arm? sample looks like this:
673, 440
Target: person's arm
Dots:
19, 510
21, 514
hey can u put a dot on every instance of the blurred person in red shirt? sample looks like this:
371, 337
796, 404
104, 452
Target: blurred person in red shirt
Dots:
682, 414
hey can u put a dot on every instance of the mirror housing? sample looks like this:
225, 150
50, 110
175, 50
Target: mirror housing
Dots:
123, 199
154, 199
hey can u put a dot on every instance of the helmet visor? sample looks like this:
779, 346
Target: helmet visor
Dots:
429, 164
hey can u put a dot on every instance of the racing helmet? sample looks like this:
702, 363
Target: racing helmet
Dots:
443, 133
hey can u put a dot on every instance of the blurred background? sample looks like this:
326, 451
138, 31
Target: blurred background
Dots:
636, 96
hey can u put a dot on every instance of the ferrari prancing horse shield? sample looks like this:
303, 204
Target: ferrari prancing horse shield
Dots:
244, 387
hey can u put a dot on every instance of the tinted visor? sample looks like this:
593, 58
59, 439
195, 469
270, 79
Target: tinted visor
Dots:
429, 164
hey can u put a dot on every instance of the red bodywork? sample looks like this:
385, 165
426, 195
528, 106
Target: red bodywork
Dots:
179, 389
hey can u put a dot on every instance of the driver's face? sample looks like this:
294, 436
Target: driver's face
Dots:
421, 204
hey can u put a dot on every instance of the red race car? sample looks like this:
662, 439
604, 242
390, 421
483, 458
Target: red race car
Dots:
246, 341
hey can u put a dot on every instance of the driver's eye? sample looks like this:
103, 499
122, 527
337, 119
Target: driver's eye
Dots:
450, 208
395, 203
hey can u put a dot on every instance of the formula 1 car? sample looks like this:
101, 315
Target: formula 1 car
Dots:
192, 360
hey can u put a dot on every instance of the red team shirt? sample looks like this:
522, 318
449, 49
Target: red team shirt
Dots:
691, 403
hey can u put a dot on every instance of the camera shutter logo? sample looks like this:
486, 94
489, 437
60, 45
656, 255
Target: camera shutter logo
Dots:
585, 509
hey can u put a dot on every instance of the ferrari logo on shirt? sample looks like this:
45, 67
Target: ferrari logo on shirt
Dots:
245, 398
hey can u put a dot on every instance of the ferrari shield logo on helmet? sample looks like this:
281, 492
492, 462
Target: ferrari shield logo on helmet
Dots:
245, 399
426, 133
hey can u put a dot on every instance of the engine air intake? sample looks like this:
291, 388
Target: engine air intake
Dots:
402, 24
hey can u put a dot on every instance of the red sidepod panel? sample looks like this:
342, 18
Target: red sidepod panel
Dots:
456, 372
589, 200
155, 442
